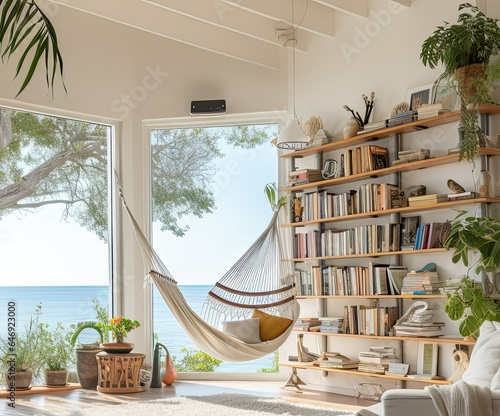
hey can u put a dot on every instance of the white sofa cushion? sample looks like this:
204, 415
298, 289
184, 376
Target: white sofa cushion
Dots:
485, 358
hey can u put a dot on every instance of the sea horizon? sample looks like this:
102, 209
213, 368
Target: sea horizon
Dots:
71, 304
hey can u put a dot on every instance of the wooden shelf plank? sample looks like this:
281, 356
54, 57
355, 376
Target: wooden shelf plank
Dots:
441, 340
436, 296
42, 390
418, 125
405, 167
381, 254
306, 366
404, 210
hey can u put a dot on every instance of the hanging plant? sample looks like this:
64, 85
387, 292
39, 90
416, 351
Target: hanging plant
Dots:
26, 30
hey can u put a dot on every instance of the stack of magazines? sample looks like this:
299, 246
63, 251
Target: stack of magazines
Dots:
377, 359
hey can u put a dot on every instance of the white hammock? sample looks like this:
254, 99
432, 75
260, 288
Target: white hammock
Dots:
254, 282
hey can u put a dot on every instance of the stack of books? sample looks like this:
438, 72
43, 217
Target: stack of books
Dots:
307, 324
463, 195
429, 110
335, 360
432, 235
421, 283
428, 199
416, 329
413, 155
303, 176
331, 324
374, 125
402, 118
377, 359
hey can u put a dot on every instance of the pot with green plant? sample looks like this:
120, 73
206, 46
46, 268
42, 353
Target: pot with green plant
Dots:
476, 243
465, 50
58, 354
86, 362
20, 353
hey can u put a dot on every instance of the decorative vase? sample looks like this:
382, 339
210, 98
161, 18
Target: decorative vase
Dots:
86, 367
170, 372
351, 128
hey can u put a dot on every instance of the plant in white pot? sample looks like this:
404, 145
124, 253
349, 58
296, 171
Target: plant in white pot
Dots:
476, 243
465, 50
20, 353
58, 355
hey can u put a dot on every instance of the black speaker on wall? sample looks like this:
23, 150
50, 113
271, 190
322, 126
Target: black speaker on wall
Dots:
208, 107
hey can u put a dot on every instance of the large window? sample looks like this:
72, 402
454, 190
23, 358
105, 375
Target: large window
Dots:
54, 244
209, 206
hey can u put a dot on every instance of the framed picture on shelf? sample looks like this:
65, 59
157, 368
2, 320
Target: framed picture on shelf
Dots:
416, 97
444, 92
427, 358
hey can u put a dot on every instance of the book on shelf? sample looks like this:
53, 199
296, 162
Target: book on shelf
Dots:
304, 176
427, 199
414, 155
335, 360
429, 110
395, 276
365, 159
409, 227
463, 195
426, 282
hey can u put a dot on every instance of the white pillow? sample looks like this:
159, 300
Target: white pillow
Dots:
485, 358
246, 330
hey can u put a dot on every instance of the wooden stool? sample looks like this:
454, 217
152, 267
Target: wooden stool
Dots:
119, 373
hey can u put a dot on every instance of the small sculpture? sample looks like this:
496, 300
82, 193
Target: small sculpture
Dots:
311, 126
455, 187
400, 108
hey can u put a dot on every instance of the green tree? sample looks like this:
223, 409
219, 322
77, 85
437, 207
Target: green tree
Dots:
48, 160
275, 366
195, 361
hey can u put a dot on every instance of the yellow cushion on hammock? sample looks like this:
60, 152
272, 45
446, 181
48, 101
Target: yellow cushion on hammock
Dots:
271, 327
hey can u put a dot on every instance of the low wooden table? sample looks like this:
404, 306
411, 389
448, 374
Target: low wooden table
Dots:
119, 373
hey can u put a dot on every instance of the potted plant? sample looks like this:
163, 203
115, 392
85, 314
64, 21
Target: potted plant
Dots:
475, 238
86, 363
119, 328
58, 354
465, 49
20, 353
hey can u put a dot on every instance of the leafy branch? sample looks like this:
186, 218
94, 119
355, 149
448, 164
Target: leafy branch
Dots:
24, 25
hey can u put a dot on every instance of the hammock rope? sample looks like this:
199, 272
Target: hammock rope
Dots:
261, 279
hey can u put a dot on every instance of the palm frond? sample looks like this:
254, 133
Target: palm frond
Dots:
24, 25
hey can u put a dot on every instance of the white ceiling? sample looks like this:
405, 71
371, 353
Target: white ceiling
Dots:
249, 30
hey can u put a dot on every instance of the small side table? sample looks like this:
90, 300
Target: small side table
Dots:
119, 373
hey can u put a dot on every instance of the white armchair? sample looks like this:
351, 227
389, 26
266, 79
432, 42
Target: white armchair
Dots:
484, 370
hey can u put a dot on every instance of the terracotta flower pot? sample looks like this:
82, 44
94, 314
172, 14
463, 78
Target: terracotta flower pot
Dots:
22, 380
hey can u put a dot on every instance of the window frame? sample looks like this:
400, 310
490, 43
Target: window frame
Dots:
270, 117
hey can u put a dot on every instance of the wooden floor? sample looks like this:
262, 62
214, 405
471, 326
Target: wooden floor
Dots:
64, 402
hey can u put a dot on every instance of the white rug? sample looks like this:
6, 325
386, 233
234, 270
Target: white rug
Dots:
215, 405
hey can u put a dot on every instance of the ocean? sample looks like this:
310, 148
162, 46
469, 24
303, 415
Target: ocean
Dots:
73, 304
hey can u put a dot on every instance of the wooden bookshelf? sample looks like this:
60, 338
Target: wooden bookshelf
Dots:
435, 296
374, 135
307, 366
405, 167
442, 340
404, 210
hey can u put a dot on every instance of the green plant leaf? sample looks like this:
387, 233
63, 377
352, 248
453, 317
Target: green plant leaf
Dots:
454, 308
